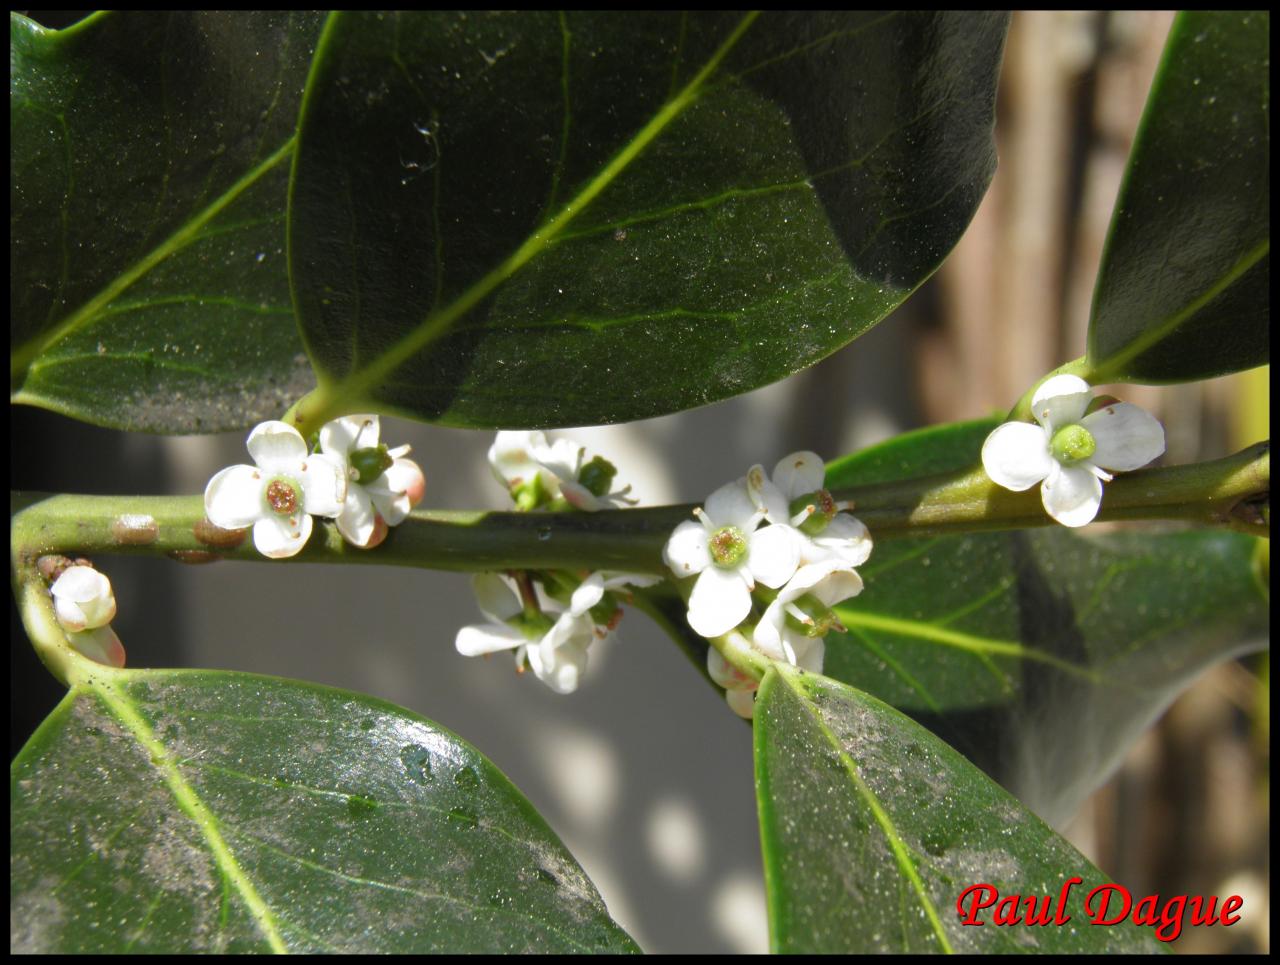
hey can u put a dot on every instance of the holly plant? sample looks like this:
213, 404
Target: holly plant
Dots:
291, 224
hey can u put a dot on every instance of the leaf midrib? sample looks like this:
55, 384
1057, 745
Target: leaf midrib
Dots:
357, 384
1113, 365
190, 803
897, 846
23, 357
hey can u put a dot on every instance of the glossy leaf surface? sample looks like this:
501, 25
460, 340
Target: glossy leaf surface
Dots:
1040, 654
872, 828
1184, 288
149, 173
540, 219
198, 811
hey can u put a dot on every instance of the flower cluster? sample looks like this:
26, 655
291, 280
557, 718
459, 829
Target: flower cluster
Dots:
543, 475
352, 479
85, 606
549, 618
549, 634
1076, 445
778, 545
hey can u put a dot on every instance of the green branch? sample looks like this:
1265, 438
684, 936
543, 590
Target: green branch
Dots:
1233, 492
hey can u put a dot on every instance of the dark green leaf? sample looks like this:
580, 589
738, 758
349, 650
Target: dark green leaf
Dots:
533, 219
872, 828
1183, 292
149, 171
1040, 654
197, 811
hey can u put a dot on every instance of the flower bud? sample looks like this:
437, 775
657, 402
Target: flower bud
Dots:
597, 476
82, 599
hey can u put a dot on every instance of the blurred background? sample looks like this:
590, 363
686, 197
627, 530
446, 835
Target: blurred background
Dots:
644, 772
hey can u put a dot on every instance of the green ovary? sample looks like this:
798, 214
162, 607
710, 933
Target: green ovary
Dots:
1072, 444
728, 545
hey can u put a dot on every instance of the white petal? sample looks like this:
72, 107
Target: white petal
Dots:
773, 553
731, 505
81, 584
280, 537
847, 537
561, 670
766, 496
277, 447
742, 702
487, 638
800, 473
570, 630
613, 580
560, 458
234, 497
587, 595
69, 614
350, 432
1128, 437
831, 581
356, 521
719, 602
511, 455
497, 599
99, 611
392, 492
767, 635
1060, 401
579, 496
323, 479
1072, 495
686, 551
1016, 456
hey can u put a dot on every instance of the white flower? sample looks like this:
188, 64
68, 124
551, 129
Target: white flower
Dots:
806, 599
556, 653
1069, 452
828, 532
729, 554
382, 485
82, 599
278, 497
538, 472
512, 457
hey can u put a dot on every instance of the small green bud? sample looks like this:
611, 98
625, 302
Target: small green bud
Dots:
283, 496
824, 510
597, 476
728, 545
370, 463
1072, 444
